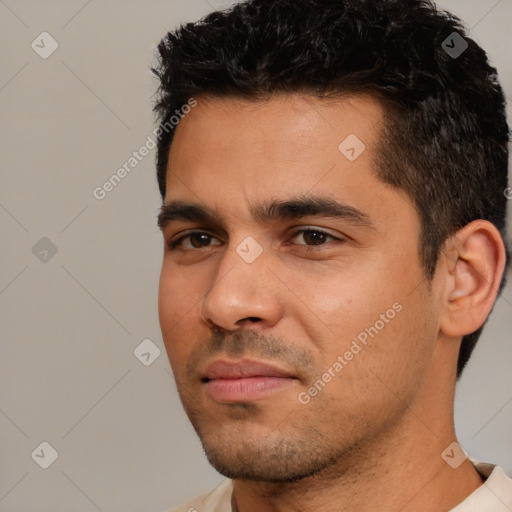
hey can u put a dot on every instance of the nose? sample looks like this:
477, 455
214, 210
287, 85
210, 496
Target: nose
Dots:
241, 294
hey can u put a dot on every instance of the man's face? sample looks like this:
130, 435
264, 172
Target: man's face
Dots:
295, 333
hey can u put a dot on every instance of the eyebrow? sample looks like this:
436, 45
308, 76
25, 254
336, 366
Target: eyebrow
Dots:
269, 211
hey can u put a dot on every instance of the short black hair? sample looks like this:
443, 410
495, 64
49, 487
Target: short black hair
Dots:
445, 140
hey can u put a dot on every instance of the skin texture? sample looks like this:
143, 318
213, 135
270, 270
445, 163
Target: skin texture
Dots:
382, 422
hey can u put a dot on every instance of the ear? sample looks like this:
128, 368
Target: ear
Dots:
475, 261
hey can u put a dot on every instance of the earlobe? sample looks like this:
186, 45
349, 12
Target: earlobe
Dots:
475, 261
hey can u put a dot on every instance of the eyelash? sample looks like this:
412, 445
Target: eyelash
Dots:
173, 244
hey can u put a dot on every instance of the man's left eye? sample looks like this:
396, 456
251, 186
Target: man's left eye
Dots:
314, 237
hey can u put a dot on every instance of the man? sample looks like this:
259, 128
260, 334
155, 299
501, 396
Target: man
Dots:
333, 177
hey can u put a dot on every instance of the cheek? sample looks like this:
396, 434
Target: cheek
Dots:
178, 292
339, 302
178, 309
373, 300
394, 356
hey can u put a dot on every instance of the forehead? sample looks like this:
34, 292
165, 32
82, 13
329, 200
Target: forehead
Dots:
230, 153
292, 125
282, 131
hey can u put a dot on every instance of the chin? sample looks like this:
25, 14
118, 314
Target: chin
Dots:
265, 458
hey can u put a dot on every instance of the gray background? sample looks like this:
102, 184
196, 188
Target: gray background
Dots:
70, 324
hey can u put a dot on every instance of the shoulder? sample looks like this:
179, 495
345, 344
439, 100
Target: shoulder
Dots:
494, 495
218, 500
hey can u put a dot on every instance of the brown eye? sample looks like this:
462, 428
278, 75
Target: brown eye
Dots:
198, 240
313, 237
195, 240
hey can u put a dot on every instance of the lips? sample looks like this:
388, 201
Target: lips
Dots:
223, 369
244, 380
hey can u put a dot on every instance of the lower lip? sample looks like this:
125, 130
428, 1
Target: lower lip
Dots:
248, 388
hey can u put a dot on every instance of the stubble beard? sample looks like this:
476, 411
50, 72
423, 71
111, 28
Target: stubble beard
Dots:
240, 448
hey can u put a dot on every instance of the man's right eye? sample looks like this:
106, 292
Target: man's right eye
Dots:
194, 240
